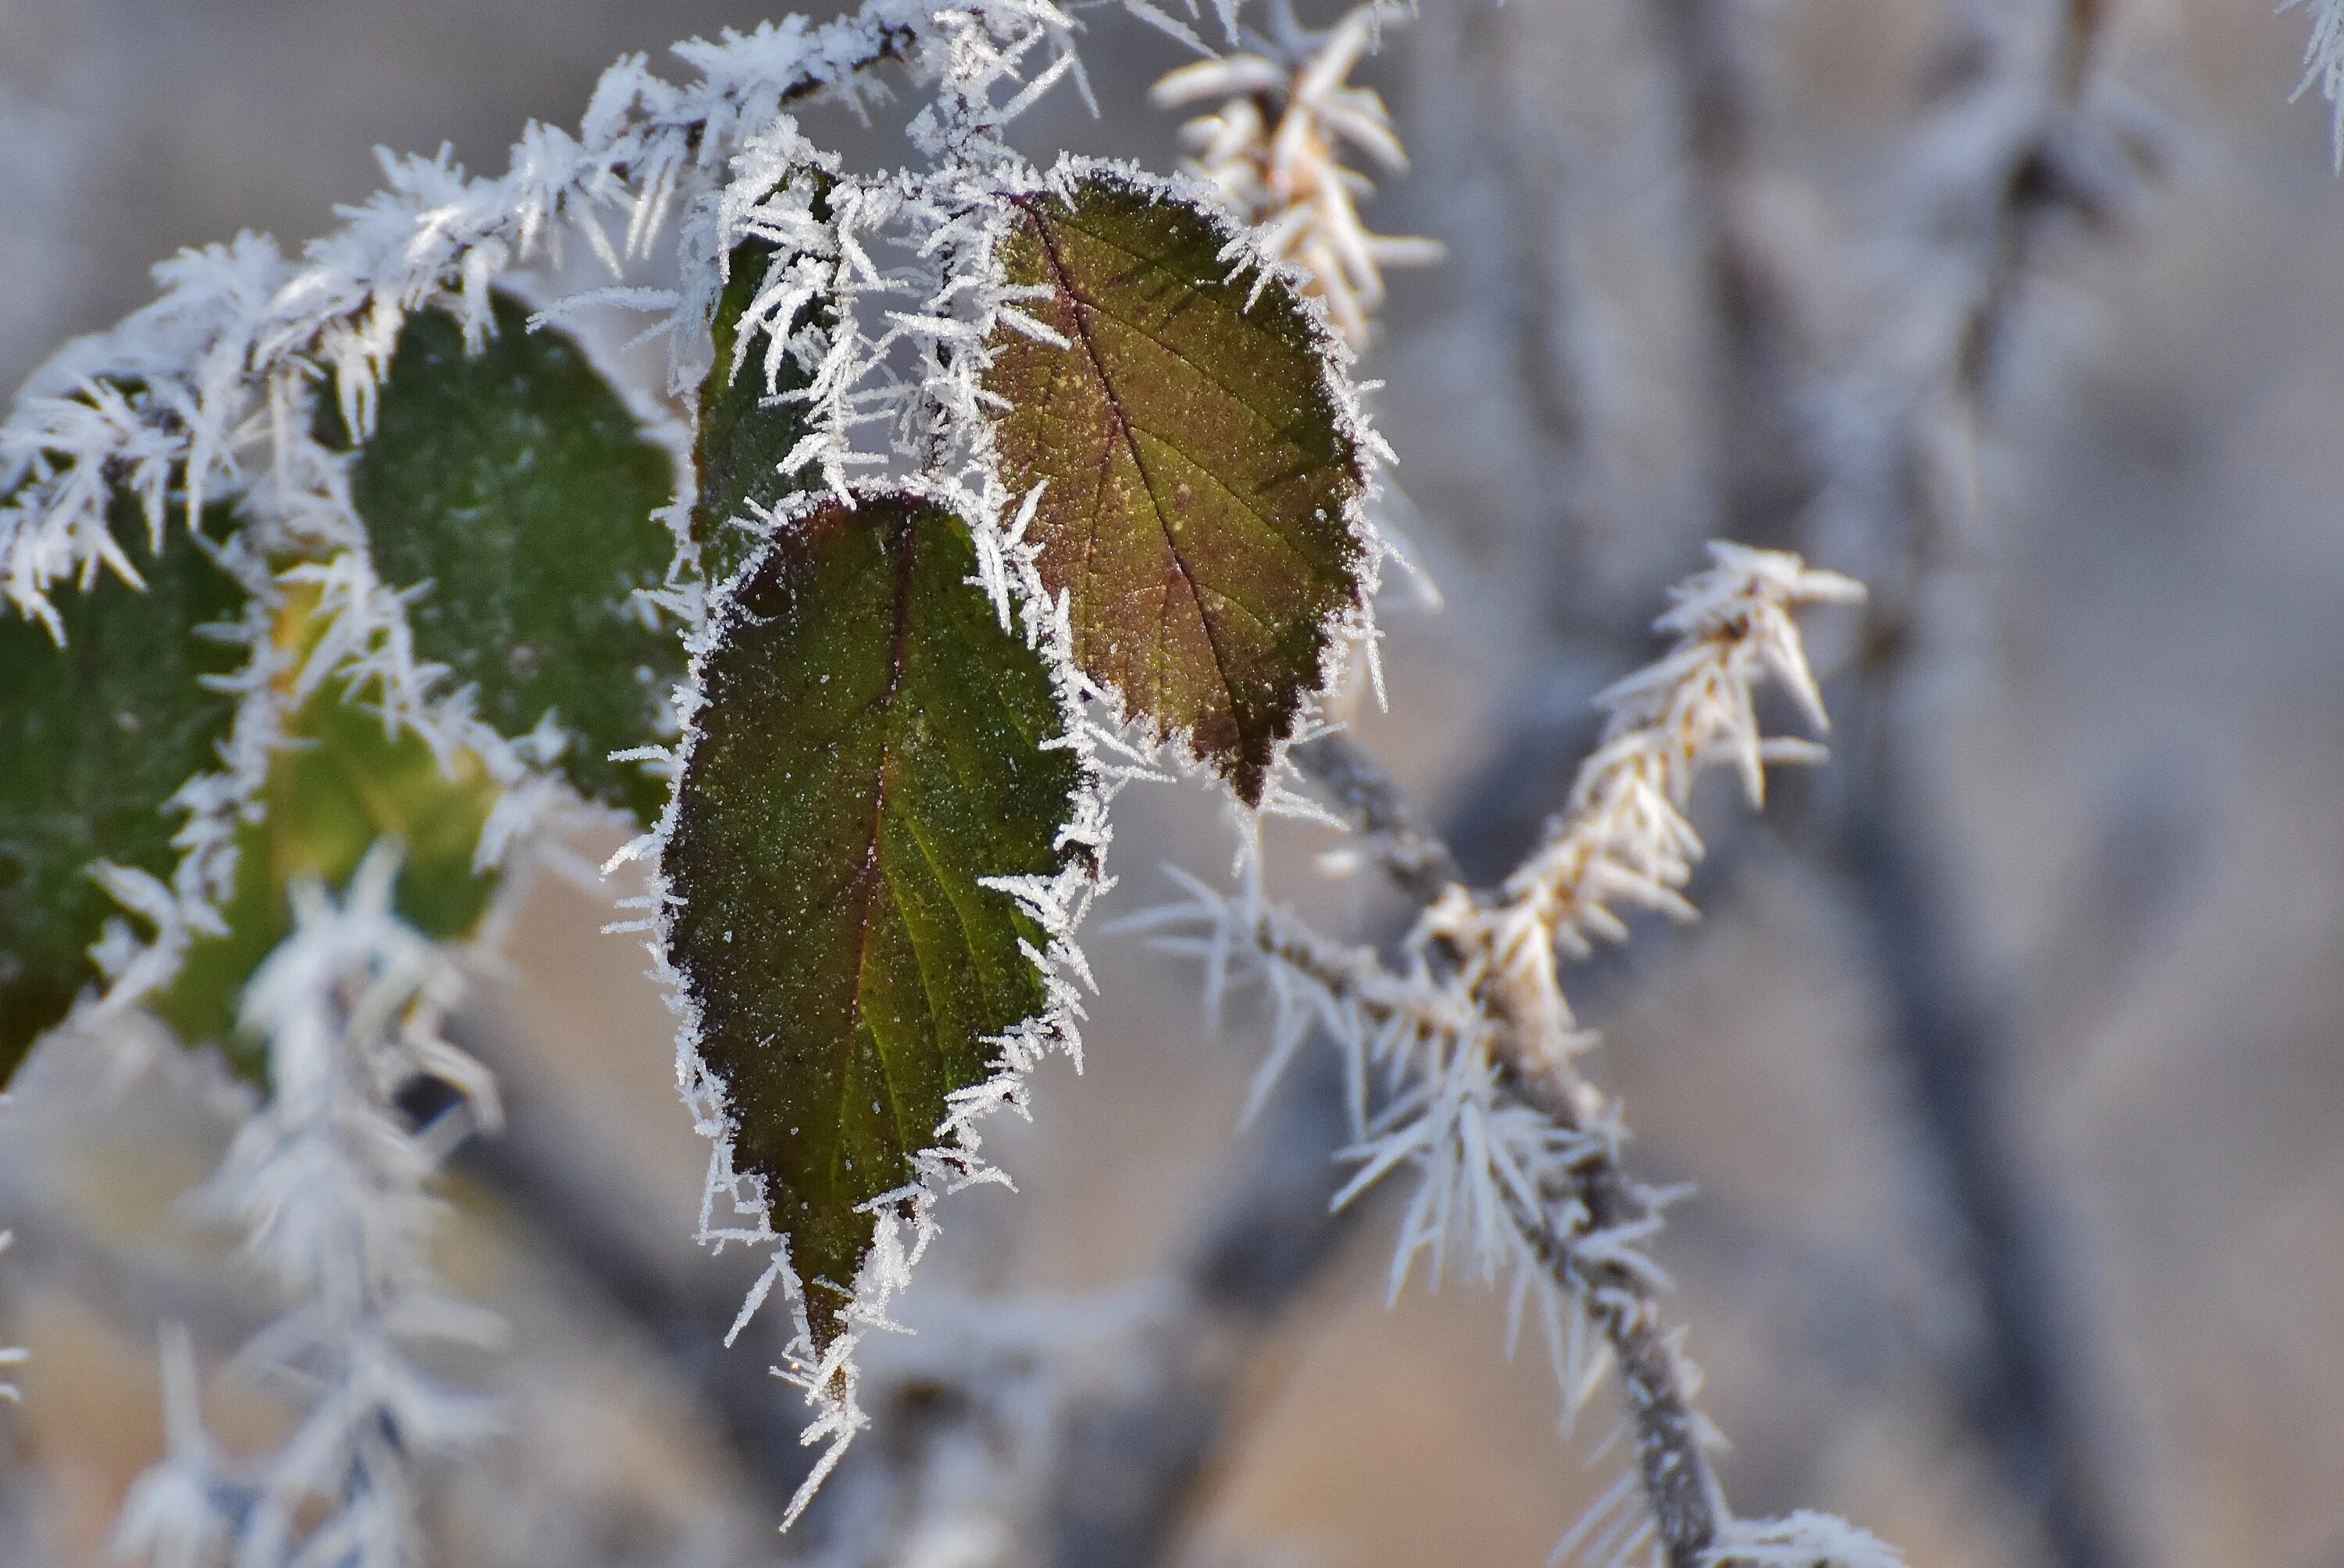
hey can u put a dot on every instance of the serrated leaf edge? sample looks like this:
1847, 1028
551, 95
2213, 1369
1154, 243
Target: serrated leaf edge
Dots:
734, 1207
132, 962
1350, 631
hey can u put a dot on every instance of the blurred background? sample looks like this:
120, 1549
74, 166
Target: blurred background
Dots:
2003, 1063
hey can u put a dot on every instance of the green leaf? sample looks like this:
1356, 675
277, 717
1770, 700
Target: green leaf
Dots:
872, 747
745, 434
95, 737
516, 484
337, 785
1198, 466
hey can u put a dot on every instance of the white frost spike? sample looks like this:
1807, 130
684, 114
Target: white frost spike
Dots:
1274, 153
1477, 998
1801, 1540
329, 1182
182, 1511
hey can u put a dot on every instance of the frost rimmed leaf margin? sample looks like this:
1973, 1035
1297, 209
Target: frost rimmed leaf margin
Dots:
1288, 520
204, 396
936, 307
904, 265
735, 1207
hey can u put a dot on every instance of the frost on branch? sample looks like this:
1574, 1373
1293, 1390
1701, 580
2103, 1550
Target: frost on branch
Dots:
1461, 1060
1274, 150
1803, 1539
329, 1180
225, 388
1623, 840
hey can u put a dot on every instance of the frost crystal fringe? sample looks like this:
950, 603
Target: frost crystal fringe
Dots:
206, 395
904, 263
1460, 1062
329, 1182
1273, 153
733, 1206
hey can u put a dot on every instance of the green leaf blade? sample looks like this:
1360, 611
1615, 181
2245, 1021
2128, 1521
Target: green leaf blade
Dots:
96, 738
515, 490
339, 783
745, 434
1198, 471
873, 748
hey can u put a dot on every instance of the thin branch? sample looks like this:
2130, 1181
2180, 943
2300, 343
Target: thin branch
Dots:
1403, 843
1768, 467
1679, 1484
2028, 1397
1484, 985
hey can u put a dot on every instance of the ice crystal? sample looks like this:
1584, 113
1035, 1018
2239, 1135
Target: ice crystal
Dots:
1274, 152
1460, 1059
328, 1180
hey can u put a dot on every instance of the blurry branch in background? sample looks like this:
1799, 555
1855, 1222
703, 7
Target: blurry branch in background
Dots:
1766, 467
2016, 155
543, 1169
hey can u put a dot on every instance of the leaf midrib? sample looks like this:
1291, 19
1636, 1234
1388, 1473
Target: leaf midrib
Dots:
867, 879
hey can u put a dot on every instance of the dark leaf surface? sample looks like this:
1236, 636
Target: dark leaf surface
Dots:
338, 786
516, 484
872, 747
745, 434
94, 738
1196, 463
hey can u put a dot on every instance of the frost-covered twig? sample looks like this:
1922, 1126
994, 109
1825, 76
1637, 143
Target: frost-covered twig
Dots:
1274, 150
329, 1182
1516, 1154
